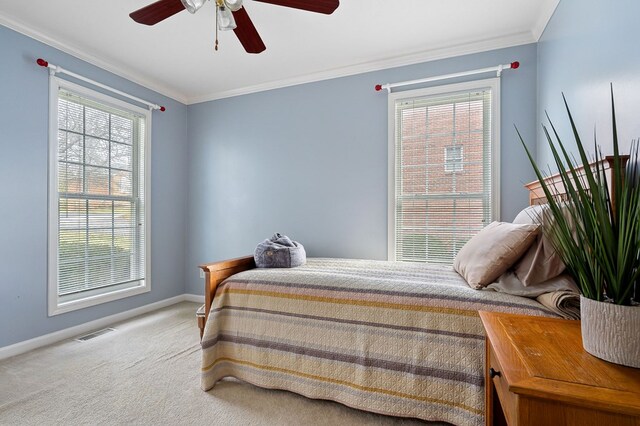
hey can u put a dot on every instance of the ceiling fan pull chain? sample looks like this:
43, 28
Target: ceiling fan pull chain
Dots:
215, 18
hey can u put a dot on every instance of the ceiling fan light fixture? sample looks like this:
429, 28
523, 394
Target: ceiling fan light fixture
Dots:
226, 21
233, 5
192, 5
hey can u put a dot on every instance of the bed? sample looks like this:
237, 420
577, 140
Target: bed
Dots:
399, 339
368, 334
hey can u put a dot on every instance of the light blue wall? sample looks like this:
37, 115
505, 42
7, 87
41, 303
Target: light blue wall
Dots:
311, 161
587, 45
23, 192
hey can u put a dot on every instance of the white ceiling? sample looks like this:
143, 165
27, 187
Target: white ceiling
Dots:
176, 56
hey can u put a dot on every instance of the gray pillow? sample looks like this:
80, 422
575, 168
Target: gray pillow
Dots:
279, 252
541, 262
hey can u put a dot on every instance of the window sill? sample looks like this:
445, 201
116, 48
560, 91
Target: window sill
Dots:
56, 308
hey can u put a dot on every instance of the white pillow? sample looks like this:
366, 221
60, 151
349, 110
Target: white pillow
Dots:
531, 214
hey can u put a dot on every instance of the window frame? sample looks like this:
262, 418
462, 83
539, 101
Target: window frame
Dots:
490, 83
454, 166
55, 305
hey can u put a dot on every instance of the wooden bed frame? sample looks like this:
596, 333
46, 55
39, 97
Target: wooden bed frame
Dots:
215, 273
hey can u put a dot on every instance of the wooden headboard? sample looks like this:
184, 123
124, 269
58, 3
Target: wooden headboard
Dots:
536, 194
214, 274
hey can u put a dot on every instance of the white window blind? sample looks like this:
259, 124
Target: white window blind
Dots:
100, 193
443, 172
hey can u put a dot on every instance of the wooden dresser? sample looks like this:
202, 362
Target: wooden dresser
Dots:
537, 373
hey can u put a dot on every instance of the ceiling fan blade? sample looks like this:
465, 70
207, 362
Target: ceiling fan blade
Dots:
320, 6
247, 33
156, 12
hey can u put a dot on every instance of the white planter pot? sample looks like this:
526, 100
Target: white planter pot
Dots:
611, 332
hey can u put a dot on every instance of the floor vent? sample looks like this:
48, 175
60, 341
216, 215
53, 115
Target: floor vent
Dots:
94, 334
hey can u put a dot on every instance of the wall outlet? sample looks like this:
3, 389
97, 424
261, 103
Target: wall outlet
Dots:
201, 273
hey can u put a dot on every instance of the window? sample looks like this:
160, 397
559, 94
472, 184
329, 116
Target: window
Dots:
443, 168
453, 161
98, 219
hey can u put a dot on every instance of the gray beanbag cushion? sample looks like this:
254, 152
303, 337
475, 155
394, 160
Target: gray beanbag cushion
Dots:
279, 252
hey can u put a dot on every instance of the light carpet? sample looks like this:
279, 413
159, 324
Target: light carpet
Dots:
147, 372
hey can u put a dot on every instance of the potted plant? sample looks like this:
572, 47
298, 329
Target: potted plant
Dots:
596, 231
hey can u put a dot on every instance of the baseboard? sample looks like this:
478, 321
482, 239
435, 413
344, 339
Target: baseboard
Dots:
67, 333
193, 298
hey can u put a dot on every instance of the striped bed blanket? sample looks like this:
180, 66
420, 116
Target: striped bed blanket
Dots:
392, 338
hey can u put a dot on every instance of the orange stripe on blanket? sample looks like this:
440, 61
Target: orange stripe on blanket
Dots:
345, 383
400, 306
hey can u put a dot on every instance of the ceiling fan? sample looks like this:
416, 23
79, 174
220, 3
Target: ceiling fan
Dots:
230, 15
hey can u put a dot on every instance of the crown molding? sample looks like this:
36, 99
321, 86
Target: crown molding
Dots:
516, 39
547, 10
28, 31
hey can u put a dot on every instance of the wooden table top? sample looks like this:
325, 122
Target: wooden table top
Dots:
544, 357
